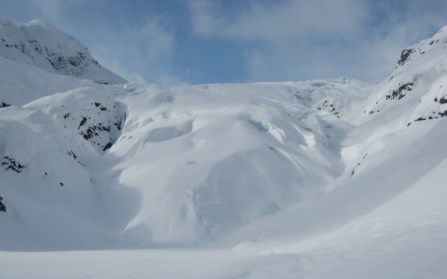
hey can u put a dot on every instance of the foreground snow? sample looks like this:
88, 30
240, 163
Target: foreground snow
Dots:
381, 245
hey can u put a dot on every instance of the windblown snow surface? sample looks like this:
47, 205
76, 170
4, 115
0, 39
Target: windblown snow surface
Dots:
313, 179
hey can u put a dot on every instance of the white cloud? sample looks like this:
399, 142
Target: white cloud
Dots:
118, 68
49, 8
139, 52
279, 21
55, 10
319, 38
156, 39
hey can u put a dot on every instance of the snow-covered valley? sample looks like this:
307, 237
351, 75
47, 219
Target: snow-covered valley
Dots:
315, 179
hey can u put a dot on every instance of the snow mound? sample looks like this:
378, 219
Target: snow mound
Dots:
95, 116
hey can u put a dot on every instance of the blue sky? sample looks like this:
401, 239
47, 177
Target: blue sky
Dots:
181, 41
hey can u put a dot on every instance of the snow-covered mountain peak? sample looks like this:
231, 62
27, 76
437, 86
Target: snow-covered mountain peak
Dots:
38, 44
426, 49
419, 66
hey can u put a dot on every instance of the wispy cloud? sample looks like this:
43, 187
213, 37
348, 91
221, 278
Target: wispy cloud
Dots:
139, 50
162, 41
155, 38
49, 8
319, 38
279, 21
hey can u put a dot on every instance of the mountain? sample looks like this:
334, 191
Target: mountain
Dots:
40, 45
417, 80
322, 178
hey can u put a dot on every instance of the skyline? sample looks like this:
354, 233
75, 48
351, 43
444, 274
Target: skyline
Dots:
175, 42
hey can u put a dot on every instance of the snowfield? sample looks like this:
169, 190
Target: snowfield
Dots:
312, 179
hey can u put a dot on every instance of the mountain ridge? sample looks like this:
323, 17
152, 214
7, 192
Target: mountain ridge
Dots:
41, 45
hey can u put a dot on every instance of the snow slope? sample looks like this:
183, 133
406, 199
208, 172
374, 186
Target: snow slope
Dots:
315, 179
38, 44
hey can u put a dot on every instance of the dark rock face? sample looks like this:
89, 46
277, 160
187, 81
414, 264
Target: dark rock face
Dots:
400, 92
83, 120
101, 107
74, 65
329, 106
93, 131
99, 123
9, 163
442, 100
108, 146
2, 205
437, 111
72, 154
404, 56
3, 105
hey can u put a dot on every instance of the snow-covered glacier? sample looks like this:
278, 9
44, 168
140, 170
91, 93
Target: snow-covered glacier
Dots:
313, 179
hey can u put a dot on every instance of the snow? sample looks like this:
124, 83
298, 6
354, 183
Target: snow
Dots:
38, 44
312, 179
